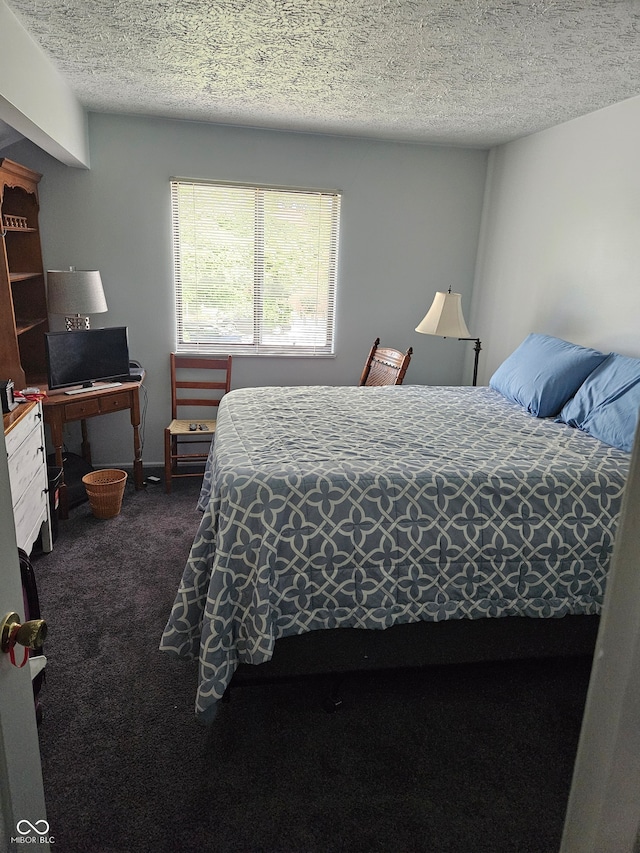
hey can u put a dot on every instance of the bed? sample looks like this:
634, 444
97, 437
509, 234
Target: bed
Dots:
333, 508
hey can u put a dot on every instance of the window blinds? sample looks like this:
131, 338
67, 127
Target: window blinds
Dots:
255, 268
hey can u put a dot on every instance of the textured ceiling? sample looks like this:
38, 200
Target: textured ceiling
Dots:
463, 72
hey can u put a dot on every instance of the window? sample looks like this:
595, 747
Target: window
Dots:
255, 268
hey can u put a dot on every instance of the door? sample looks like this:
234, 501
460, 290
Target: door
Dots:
603, 813
22, 817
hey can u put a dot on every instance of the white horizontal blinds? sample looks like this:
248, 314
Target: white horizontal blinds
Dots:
255, 269
213, 234
297, 269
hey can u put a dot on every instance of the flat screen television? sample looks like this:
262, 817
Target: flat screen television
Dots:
85, 356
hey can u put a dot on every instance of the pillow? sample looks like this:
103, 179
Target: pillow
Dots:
606, 404
543, 372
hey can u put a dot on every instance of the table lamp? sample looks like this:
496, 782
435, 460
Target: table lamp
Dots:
75, 293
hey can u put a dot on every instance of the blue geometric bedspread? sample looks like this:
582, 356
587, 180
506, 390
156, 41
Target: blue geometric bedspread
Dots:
331, 507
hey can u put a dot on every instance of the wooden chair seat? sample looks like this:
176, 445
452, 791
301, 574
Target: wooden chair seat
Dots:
178, 427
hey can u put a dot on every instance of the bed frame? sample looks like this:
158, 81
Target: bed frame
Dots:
338, 651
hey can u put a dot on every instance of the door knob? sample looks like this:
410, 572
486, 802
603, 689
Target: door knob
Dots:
31, 634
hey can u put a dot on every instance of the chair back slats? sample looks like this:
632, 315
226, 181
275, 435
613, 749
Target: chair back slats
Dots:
216, 378
197, 401
218, 386
385, 366
202, 362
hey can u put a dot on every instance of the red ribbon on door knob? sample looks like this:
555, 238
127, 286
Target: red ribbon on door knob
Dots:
12, 648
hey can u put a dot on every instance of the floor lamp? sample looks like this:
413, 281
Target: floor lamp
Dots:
446, 320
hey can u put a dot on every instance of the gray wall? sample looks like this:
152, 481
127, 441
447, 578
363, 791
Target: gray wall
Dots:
410, 226
560, 254
560, 246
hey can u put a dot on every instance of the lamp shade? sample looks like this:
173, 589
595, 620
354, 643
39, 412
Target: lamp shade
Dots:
75, 292
445, 317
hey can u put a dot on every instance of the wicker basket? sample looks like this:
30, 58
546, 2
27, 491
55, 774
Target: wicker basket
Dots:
105, 490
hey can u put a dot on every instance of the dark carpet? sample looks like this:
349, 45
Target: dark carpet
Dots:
466, 758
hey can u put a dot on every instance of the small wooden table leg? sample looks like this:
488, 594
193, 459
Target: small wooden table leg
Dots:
85, 447
138, 473
55, 425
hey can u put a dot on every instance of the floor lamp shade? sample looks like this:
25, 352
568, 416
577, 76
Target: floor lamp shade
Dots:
445, 317
75, 293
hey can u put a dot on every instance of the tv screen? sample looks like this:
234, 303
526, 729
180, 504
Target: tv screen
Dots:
87, 355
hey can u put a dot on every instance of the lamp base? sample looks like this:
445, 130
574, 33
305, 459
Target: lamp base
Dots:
76, 322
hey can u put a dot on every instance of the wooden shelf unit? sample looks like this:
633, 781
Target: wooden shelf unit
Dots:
23, 296
22, 276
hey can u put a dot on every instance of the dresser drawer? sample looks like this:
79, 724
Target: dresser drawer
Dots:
31, 507
22, 428
24, 462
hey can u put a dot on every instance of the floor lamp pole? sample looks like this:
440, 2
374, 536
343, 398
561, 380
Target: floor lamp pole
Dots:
477, 349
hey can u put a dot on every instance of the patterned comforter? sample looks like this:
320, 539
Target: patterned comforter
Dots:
330, 507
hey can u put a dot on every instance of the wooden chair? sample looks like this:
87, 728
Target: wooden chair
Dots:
204, 393
385, 366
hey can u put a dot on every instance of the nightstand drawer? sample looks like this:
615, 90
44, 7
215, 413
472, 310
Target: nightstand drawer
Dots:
82, 409
115, 402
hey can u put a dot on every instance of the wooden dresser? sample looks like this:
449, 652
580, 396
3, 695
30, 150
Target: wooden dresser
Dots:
26, 458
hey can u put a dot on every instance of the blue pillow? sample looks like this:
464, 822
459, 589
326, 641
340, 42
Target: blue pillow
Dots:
543, 372
606, 405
